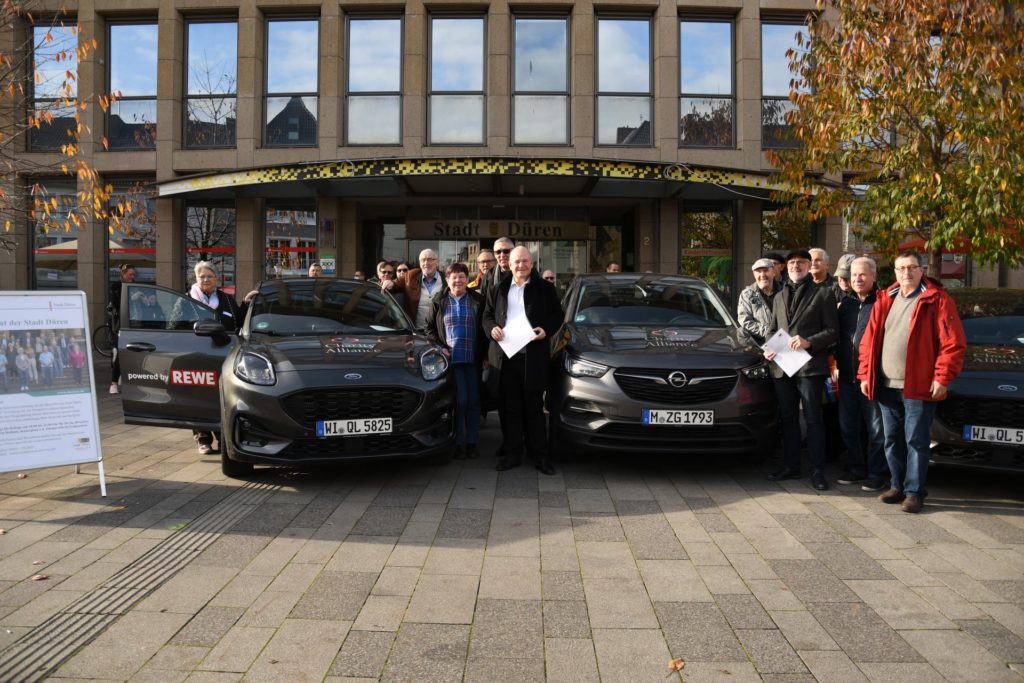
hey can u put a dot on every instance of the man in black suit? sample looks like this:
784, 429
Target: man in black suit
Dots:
524, 376
808, 314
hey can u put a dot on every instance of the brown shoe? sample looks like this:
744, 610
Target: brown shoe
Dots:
912, 504
892, 496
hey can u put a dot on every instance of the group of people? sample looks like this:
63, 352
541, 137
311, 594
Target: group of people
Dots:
39, 359
467, 318
895, 353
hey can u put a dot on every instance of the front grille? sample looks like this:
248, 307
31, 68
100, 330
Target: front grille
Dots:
957, 411
306, 407
650, 390
350, 447
698, 439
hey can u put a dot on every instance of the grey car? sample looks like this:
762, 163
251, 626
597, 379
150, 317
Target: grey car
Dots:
655, 363
321, 370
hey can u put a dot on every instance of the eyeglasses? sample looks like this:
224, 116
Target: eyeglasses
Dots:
550, 279
427, 259
502, 251
387, 272
403, 270
905, 269
487, 260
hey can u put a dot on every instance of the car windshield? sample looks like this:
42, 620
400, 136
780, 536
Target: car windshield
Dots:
998, 330
325, 306
649, 302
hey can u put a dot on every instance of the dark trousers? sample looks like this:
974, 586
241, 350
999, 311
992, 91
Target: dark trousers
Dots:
522, 413
863, 458
794, 393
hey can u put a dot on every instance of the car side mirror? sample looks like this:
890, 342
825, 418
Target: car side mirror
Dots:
213, 329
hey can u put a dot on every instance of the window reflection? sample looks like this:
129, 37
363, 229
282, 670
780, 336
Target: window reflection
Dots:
456, 107
211, 73
291, 241
706, 238
210, 236
292, 82
132, 230
131, 121
541, 95
706, 102
624, 82
776, 39
54, 57
55, 246
374, 82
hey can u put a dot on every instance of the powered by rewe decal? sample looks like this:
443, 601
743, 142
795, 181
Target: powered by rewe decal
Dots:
195, 378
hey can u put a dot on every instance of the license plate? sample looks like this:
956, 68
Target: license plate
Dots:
679, 417
357, 427
1005, 435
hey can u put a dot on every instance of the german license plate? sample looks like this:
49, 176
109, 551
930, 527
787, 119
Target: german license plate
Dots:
356, 427
1005, 435
678, 417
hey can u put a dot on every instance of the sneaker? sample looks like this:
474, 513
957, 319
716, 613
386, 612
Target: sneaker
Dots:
873, 485
892, 496
849, 477
114, 388
204, 449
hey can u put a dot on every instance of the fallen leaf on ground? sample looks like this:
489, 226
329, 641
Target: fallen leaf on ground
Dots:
40, 577
38, 562
3, 531
22, 475
675, 665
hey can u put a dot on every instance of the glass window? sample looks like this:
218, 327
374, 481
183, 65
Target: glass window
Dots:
132, 229
54, 238
210, 236
291, 241
706, 241
53, 92
374, 115
292, 82
707, 100
212, 82
776, 39
778, 236
540, 99
624, 82
456, 100
131, 120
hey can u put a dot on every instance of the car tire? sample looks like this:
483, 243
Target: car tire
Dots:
233, 468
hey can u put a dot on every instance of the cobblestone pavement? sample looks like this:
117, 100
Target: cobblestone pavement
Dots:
406, 572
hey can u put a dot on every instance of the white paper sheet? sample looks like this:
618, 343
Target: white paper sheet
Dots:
518, 333
790, 360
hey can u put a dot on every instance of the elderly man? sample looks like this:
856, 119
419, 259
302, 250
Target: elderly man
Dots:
502, 252
384, 268
485, 261
864, 461
754, 309
819, 268
524, 376
549, 275
315, 269
807, 313
419, 286
912, 349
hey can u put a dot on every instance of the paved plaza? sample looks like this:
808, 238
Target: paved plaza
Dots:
407, 572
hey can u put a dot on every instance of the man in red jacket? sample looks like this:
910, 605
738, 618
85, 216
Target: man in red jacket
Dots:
912, 349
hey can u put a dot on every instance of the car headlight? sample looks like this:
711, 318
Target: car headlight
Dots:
433, 364
759, 371
577, 367
255, 369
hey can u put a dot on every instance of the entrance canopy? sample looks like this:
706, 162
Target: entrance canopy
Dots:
476, 177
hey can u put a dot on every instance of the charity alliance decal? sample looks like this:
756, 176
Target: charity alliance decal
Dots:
194, 378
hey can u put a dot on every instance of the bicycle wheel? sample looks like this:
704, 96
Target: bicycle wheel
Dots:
103, 340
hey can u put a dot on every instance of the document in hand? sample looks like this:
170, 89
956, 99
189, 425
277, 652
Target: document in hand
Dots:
518, 333
790, 360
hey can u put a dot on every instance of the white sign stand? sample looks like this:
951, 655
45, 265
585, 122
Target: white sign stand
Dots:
48, 414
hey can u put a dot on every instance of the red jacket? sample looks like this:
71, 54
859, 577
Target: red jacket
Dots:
935, 348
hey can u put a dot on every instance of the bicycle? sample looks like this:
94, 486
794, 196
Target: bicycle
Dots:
103, 340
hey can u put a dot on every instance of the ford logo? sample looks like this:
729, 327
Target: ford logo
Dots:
353, 376
677, 379
1006, 387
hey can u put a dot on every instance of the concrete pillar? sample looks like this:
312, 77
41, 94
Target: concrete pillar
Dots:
249, 244
170, 244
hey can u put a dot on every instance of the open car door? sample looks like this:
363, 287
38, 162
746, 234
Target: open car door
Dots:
171, 349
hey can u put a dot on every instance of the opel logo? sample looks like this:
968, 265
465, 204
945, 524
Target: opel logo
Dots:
677, 379
353, 376
1006, 387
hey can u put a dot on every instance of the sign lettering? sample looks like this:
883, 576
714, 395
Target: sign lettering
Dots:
195, 378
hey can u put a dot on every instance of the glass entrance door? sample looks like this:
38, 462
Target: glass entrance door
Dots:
568, 258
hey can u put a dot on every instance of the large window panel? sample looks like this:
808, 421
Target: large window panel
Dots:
53, 91
624, 95
211, 103
707, 99
706, 236
54, 240
131, 120
210, 236
540, 96
290, 240
374, 108
131, 225
292, 76
776, 39
457, 98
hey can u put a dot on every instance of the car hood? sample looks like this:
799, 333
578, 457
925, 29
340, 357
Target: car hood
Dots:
982, 358
659, 346
340, 351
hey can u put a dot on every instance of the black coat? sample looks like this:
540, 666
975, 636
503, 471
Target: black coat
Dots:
435, 323
543, 310
854, 315
815, 319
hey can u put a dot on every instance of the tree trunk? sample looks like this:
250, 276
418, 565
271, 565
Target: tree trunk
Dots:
935, 263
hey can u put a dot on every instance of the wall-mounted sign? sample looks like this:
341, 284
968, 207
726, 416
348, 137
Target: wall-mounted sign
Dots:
492, 229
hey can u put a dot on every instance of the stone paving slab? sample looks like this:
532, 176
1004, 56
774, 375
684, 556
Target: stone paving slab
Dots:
600, 573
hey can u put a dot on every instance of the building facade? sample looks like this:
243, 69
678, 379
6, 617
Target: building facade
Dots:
263, 135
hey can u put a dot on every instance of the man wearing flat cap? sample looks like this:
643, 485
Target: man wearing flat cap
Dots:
808, 314
754, 309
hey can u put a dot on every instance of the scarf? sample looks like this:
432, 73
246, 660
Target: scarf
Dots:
798, 290
199, 295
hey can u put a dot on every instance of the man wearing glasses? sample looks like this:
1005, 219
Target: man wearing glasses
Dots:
385, 271
502, 248
549, 275
912, 349
485, 260
419, 286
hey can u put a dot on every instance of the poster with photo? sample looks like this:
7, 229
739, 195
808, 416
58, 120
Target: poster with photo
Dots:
48, 413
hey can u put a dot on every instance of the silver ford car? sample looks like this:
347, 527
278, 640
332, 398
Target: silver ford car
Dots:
656, 363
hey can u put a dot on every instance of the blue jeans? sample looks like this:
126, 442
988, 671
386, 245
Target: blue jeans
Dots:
792, 393
855, 410
908, 426
467, 403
